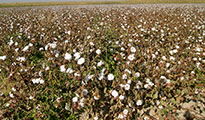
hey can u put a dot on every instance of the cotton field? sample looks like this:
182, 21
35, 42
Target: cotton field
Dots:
126, 62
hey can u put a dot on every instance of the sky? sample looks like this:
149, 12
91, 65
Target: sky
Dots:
11, 1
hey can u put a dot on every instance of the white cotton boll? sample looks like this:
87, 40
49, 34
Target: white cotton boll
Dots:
31, 97
68, 56
171, 52
153, 55
194, 59
126, 70
124, 76
139, 102
137, 74
25, 49
125, 112
110, 77
62, 68
122, 49
177, 47
96, 118
77, 55
81, 61
133, 49
98, 51
101, 76
121, 97
153, 29
16, 43
69, 70
172, 58
164, 58
100, 63
21, 59
13, 89
75, 99
163, 77
103, 70
2, 57
198, 64
114, 93
17, 49
30, 45
68, 32
121, 85
88, 37
41, 81
129, 81
57, 55
92, 44
47, 68
120, 116
11, 42
53, 45
127, 87
151, 83
131, 57
167, 65
11, 95
34, 81
198, 49
77, 74
96, 98
168, 81
175, 51
146, 85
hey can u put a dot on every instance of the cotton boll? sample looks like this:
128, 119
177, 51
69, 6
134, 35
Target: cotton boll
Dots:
124, 76
127, 87
2, 57
100, 63
75, 99
81, 61
110, 77
131, 57
77, 55
98, 51
68, 56
114, 93
62, 68
139, 102
133, 49
121, 97
137, 74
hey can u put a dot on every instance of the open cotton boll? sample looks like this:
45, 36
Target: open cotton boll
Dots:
75, 99
81, 61
100, 63
21, 59
133, 49
137, 74
77, 55
131, 57
62, 68
25, 48
68, 56
110, 77
139, 102
3, 57
98, 51
114, 93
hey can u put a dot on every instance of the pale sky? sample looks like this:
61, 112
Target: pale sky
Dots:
10, 1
